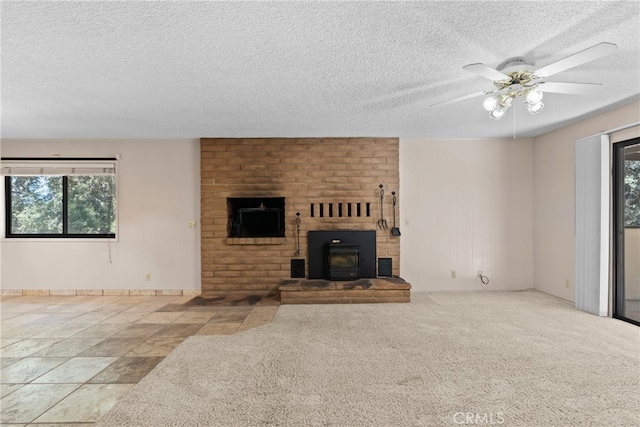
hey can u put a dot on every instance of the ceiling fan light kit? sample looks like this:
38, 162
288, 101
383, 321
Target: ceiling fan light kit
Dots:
512, 80
497, 104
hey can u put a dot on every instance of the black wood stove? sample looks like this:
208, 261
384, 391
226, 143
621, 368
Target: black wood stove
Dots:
342, 261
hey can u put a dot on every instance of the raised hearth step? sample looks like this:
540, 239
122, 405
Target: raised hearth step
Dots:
319, 291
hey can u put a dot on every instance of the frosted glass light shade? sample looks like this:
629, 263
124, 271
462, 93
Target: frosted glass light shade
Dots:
533, 96
498, 112
490, 103
535, 108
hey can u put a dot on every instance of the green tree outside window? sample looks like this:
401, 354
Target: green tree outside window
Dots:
38, 205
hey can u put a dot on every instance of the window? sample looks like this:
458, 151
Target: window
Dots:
632, 187
61, 198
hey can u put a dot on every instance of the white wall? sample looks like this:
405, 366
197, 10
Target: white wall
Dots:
554, 197
468, 204
158, 194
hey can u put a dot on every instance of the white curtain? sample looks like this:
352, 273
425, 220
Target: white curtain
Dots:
592, 166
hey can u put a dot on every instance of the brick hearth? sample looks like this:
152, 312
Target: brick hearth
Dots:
302, 291
332, 176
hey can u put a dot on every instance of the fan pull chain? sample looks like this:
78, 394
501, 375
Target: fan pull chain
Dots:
514, 120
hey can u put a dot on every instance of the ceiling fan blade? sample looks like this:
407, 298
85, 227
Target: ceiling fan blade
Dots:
462, 98
570, 88
587, 55
486, 71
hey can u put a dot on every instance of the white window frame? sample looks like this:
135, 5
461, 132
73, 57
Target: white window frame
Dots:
12, 166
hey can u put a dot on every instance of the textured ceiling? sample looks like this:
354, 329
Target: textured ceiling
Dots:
239, 69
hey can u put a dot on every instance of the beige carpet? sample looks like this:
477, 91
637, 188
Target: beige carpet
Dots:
446, 359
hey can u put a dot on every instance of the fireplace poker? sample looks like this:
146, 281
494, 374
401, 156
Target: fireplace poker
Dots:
298, 234
382, 223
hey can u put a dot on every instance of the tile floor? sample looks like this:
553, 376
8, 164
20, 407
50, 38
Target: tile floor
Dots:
66, 360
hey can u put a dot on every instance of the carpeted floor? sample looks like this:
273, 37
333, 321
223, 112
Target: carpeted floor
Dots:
492, 358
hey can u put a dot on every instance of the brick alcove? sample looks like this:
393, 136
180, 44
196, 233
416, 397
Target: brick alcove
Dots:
335, 179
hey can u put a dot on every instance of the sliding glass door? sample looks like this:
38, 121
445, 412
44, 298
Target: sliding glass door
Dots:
626, 213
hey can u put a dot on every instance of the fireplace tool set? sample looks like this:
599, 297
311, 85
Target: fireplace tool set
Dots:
382, 223
297, 254
395, 231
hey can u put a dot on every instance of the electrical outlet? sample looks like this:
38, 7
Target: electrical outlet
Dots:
148, 277
479, 274
192, 224
566, 283
406, 222
453, 274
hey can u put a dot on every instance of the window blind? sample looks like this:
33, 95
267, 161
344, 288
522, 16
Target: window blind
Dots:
592, 224
31, 167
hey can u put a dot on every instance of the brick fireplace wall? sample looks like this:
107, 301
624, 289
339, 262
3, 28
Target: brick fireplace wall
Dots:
318, 171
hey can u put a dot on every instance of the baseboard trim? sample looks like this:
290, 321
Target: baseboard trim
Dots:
99, 292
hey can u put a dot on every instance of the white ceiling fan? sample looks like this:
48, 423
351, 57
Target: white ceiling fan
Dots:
514, 78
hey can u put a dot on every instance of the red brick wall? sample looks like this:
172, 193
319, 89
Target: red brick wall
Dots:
303, 171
